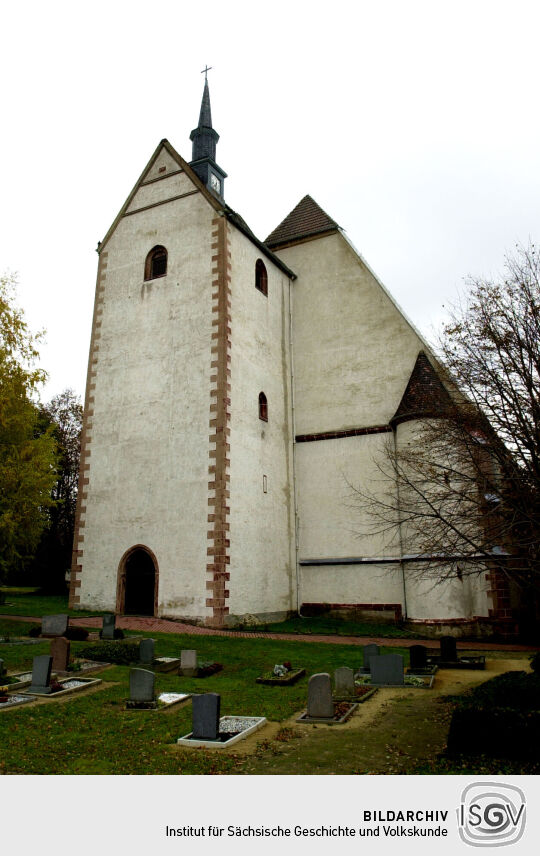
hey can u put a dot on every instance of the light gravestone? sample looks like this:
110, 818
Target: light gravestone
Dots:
60, 648
141, 686
54, 625
108, 627
387, 669
205, 712
344, 682
418, 657
188, 663
448, 649
319, 703
370, 651
146, 652
41, 675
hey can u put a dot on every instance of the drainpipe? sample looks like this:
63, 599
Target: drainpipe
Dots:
295, 495
401, 564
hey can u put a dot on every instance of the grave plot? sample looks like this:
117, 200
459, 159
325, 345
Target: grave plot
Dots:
9, 700
387, 671
148, 660
345, 688
142, 694
282, 674
448, 657
209, 729
192, 667
43, 684
321, 707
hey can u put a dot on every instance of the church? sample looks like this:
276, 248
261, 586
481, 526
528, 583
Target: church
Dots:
235, 388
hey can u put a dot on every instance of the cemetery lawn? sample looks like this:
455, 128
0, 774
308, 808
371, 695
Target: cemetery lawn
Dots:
92, 733
29, 602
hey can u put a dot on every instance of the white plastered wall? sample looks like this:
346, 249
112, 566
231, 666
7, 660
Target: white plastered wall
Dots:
262, 540
149, 432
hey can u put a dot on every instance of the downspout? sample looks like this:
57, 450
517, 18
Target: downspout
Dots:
401, 563
295, 496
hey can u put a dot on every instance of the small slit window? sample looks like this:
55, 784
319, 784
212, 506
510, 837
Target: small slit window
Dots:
156, 263
261, 277
263, 407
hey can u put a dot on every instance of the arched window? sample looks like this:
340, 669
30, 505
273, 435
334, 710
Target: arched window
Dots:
261, 277
263, 407
156, 263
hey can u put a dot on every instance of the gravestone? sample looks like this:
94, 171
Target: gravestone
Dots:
369, 652
54, 625
387, 669
146, 652
108, 627
448, 649
205, 712
319, 703
2, 669
41, 675
141, 685
344, 682
60, 653
188, 663
418, 657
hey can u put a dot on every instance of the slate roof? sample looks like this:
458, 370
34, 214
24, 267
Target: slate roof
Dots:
425, 394
306, 220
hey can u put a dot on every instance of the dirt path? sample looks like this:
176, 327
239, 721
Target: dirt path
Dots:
164, 625
391, 733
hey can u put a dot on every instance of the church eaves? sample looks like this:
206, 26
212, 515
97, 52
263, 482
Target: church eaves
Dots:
425, 395
307, 220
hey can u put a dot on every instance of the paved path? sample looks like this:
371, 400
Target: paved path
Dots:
163, 625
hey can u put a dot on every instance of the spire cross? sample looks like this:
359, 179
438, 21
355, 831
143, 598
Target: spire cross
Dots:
205, 72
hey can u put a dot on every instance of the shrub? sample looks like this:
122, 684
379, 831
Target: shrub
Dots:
122, 653
76, 634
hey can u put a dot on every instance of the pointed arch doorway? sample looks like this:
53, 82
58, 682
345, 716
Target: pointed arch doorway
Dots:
138, 577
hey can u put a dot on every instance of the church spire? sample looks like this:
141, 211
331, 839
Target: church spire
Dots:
204, 140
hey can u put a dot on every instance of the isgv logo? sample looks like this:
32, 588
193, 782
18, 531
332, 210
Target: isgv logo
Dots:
491, 814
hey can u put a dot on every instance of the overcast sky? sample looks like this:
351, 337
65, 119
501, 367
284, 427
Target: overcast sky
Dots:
414, 125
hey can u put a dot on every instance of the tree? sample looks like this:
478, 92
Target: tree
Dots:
27, 455
63, 415
462, 492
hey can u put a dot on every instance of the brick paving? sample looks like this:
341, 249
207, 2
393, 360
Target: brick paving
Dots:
164, 625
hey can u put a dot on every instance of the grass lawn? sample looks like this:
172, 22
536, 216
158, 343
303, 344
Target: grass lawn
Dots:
28, 602
93, 734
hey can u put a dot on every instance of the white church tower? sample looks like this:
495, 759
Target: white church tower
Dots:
232, 384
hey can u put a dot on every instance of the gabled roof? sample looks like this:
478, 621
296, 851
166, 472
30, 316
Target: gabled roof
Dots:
218, 205
305, 221
425, 395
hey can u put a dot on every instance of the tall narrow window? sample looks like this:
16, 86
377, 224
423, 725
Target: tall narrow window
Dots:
156, 263
263, 407
261, 277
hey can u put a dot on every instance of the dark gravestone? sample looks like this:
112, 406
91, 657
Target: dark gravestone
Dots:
344, 682
54, 625
60, 653
141, 685
448, 649
41, 675
146, 652
205, 713
369, 652
418, 657
319, 703
2, 669
108, 627
387, 669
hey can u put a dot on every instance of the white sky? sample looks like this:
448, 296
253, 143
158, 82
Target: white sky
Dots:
414, 125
